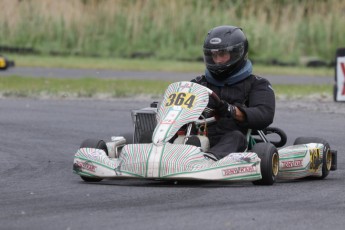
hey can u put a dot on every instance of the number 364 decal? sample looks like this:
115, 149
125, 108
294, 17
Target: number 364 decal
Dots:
185, 100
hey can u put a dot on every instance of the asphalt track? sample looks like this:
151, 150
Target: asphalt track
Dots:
39, 191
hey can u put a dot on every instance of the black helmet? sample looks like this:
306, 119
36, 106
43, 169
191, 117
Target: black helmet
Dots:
225, 40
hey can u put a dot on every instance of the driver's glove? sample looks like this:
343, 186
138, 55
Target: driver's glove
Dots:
225, 109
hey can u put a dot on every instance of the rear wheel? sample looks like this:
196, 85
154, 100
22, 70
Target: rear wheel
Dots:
269, 165
97, 144
326, 152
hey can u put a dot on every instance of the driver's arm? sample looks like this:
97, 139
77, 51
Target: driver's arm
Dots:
239, 115
260, 112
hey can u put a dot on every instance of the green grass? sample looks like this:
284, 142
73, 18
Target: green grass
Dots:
85, 87
151, 65
14, 86
295, 92
105, 63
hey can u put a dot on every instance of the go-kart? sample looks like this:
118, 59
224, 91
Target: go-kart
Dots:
5, 63
165, 146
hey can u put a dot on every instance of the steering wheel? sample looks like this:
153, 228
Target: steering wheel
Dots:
209, 112
213, 95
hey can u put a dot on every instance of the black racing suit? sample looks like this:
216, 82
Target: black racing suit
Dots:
255, 97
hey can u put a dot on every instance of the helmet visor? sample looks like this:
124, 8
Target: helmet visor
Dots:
224, 57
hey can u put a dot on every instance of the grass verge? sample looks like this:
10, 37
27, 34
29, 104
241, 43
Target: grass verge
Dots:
15, 86
151, 65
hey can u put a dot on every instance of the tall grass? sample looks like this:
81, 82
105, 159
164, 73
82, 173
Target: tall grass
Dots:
173, 29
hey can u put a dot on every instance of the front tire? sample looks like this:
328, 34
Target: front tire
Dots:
96, 144
326, 152
269, 165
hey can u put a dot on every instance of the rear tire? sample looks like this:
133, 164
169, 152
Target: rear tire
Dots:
97, 144
269, 165
326, 152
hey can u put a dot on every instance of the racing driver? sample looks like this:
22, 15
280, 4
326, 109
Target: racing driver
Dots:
247, 100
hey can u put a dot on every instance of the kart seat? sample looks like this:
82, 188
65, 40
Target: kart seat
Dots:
256, 136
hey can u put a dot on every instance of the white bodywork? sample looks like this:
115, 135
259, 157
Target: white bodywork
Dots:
300, 161
184, 103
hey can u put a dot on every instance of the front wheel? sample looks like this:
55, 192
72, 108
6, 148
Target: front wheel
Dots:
96, 144
269, 165
326, 152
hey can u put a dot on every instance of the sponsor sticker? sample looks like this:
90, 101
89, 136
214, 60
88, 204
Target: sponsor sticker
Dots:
87, 165
238, 170
215, 41
292, 163
315, 160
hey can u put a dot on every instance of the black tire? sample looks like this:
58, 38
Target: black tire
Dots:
97, 144
326, 152
268, 154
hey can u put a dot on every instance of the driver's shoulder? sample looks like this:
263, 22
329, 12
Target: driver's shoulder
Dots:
258, 83
257, 79
200, 80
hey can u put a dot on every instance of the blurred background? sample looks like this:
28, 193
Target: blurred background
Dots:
285, 32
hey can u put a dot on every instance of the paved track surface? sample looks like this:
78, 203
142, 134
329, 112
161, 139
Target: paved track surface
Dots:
168, 76
39, 191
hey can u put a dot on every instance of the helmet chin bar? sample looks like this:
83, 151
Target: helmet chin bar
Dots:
219, 74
